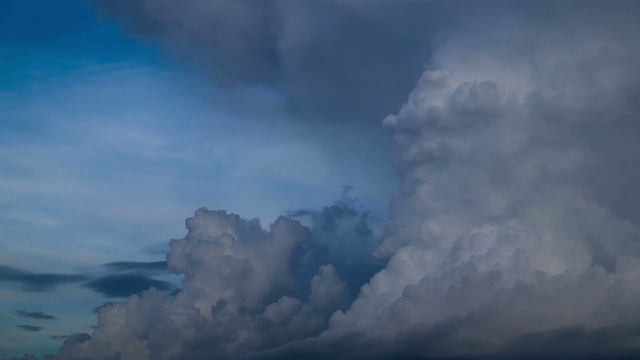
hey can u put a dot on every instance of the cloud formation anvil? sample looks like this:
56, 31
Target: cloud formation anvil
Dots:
514, 231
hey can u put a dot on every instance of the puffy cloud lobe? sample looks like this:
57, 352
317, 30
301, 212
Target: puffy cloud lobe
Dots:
224, 257
234, 297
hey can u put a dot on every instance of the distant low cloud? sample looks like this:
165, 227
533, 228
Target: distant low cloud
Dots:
31, 328
35, 315
137, 266
37, 282
25, 357
124, 285
122, 279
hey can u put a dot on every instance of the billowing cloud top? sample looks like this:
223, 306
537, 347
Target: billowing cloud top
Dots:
516, 226
236, 281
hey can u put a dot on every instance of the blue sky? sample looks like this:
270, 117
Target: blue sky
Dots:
107, 144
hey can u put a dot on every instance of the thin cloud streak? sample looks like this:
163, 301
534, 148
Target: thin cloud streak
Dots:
31, 328
37, 282
125, 285
35, 315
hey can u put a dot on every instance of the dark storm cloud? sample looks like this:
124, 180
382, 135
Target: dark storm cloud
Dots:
124, 285
31, 328
154, 266
344, 60
37, 282
345, 235
35, 315
344, 231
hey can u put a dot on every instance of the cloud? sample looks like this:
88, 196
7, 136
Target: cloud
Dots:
125, 278
124, 285
342, 60
420, 344
505, 215
576, 342
30, 328
237, 288
345, 234
35, 315
156, 266
513, 232
111, 284
37, 282
25, 357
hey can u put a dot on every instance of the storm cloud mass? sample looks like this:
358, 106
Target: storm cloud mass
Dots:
516, 227
336, 60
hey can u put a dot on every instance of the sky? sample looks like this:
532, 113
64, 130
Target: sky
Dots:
322, 179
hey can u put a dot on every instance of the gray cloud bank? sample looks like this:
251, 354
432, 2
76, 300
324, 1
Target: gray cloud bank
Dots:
516, 227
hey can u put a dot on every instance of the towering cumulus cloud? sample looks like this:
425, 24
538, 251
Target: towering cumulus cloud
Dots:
233, 299
515, 230
517, 215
